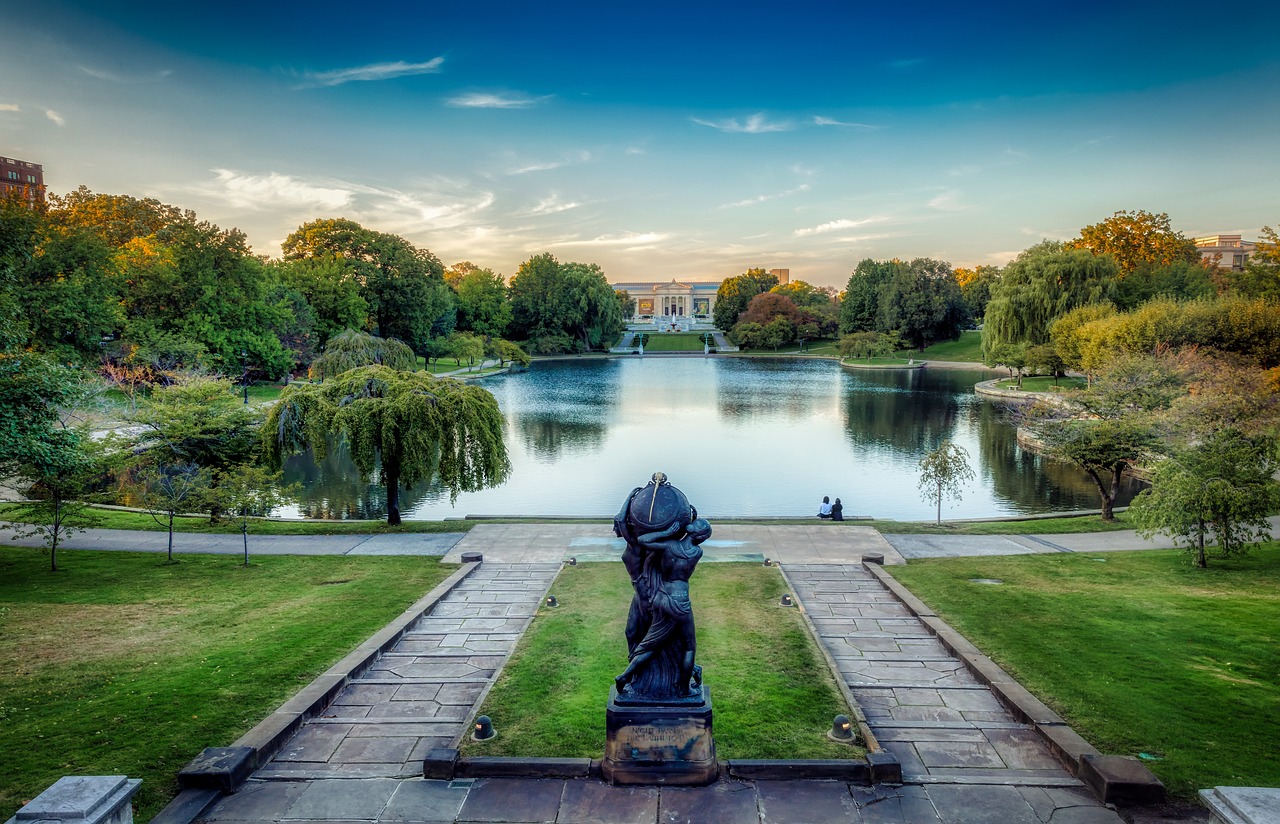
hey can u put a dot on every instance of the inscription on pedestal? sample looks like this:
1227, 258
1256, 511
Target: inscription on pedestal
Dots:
659, 743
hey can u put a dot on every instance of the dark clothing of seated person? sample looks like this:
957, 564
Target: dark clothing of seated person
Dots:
837, 511
824, 509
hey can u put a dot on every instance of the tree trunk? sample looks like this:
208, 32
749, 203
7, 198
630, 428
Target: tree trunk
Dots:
170, 537
1108, 499
57, 522
392, 475
939, 521
1201, 561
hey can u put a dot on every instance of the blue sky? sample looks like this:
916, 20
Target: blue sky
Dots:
659, 139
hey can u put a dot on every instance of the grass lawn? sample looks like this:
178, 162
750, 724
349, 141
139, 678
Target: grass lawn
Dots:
968, 348
879, 361
1044, 383
118, 519
1036, 526
1141, 652
673, 342
772, 693
124, 665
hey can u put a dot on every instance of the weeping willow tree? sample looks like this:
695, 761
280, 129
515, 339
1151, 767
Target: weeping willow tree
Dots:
417, 426
1039, 286
351, 349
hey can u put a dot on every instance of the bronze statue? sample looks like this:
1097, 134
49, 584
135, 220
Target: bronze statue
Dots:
662, 532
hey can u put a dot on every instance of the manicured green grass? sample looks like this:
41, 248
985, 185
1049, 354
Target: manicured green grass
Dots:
968, 348
1044, 383
1140, 651
117, 519
121, 664
673, 342
1036, 526
773, 695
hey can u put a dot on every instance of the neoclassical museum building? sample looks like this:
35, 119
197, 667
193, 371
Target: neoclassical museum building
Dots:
674, 300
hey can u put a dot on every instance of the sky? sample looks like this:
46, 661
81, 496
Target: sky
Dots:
660, 139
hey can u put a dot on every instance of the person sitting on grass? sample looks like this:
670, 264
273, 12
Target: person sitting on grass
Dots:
824, 509
837, 511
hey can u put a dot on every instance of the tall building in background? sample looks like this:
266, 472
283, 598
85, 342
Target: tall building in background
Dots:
22, 179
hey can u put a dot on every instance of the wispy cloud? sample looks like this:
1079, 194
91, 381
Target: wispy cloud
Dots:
272, 191
752, 201
837, 225
819, 120
55, 117
631, 240
755, 124
548, 206
494, 100
947, 201
116, 77
582, 156
10, 107
373, 71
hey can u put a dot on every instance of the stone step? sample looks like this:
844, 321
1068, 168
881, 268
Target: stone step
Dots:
466, 679
411, 719
1016, 778
911, 685
1243, 805
949, 725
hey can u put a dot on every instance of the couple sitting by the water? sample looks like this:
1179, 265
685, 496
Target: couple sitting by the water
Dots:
831, 511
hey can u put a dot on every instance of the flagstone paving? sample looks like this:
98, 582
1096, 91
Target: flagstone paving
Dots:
919, 700
423, 692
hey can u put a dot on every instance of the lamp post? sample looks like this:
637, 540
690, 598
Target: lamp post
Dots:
245, 376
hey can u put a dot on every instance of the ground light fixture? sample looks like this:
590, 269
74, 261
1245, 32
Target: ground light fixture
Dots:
768, 562
841, 728
484, 729
787, 600
573, 562
552, 602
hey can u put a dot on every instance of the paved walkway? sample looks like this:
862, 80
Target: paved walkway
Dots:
424, 692
920, 701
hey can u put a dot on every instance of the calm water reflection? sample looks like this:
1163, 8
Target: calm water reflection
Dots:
740, 436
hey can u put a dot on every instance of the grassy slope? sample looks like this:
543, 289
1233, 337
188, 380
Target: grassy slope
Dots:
773, 695
968, 348
1142, 653
123, 665
674, 342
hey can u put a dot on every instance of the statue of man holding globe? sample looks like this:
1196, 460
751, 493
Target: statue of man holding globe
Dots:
663, 533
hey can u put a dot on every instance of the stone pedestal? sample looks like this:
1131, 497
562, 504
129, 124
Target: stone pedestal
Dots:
82, 799
659, 743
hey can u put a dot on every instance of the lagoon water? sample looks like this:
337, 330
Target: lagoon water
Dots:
741, 436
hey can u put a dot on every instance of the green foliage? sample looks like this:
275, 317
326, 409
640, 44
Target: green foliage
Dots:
942, 472
1012, 356
553, 301
33, 390
860, 307
483, 307
415, 426
402, 285
331, 290
1222, 487
198, 421
352, 349
748, 335
1103, 447
252, 491
861, 345
735, 294
62, 476
975, 285
1180, 280
505, 350
922, 302
1134, 239
1039, 286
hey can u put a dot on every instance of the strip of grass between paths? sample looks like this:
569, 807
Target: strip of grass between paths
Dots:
121, 519
673, 342
124, 665
1140, 651
772, 693
1044, 383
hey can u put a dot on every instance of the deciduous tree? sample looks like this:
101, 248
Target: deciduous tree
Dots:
352, 349
1222, 488
736, 292
410, 425
1137, 238
942, 472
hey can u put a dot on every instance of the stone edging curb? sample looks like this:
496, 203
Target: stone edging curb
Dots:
219, 770
1113, 778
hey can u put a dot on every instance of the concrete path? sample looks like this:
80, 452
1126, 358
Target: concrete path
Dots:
425, 691
585, 801
920, 701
